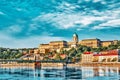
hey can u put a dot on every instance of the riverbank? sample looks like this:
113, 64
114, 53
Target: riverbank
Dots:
117, 64
17, 65
61, 65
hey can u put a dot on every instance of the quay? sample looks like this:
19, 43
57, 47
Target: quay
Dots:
33, 63
58, 64
17, 65
95, 64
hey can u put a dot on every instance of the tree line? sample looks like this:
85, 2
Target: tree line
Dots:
71, 55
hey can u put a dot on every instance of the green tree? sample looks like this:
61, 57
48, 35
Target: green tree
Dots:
58, 57
111, 47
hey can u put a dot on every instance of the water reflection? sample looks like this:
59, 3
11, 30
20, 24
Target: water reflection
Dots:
79, 73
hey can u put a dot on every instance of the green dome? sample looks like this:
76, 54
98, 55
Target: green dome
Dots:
75, 35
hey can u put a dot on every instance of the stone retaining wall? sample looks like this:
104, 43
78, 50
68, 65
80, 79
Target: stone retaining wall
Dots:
93, 64
52, 65
17, 65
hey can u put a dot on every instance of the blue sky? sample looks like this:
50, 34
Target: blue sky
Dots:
28, 23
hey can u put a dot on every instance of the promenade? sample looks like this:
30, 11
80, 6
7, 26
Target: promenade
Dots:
96, 64
17, 65
93, 64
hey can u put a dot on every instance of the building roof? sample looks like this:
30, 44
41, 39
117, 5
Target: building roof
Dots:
104, 54
107, 41
107, 53
90, 39
57, 41
87, 52
44, 44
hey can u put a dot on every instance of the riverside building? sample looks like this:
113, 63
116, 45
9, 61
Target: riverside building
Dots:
103, 56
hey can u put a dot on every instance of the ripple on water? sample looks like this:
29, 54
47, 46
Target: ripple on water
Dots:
81, 73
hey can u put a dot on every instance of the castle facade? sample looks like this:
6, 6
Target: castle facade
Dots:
58, 45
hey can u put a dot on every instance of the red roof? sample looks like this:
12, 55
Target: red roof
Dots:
87, 52
105, 54
50, 56
62, 54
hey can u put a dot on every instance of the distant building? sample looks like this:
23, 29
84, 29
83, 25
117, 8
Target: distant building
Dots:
107, 56
94, 43
44, 46
74, 43
36, 51
103, 56
107, 43
75, 38
58, 45
53, 45
87, 57
44, 50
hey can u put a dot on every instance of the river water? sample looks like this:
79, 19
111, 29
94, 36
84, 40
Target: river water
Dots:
76, 73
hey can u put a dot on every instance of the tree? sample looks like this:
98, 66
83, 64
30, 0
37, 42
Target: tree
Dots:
111, 47
18, 55
78, 57
118, 43
118, 47
104, 48
58, 57
114, 59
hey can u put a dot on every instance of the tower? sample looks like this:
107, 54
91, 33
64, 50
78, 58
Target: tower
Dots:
75, 38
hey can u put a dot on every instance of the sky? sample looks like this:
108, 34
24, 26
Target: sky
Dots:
28, 23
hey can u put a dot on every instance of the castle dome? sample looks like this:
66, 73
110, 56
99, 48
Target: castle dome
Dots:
75, 38
75, 35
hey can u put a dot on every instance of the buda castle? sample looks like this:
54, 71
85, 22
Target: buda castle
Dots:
58, 45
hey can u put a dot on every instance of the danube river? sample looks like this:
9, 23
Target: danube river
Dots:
78, 73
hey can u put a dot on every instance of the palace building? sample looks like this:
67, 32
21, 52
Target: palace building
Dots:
58, 45
107, 43
91, 42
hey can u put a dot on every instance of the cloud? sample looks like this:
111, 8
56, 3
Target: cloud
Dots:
101, 1
65, 21
69, 18
19, 9
14, 29
62, 21
1, 13
67, 14
34, 41
96, 0
67, 7
108, 24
